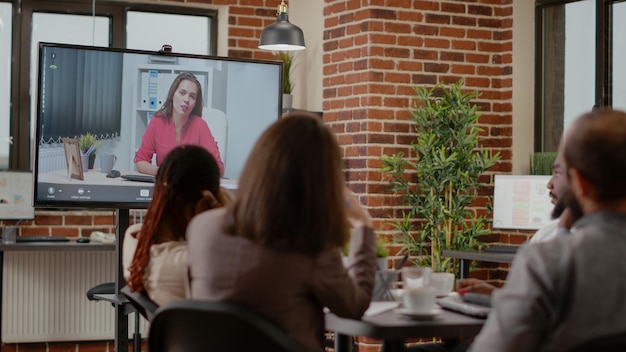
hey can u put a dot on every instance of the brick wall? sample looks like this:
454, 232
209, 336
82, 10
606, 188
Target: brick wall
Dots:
374, 54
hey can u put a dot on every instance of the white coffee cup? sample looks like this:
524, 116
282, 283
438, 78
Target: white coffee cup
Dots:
418, 296
420, 300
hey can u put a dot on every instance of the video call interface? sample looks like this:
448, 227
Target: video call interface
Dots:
112, 94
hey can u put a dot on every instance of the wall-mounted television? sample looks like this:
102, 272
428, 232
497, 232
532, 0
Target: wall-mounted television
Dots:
113, 94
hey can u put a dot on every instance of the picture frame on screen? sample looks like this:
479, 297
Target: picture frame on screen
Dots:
73, 159
126, 100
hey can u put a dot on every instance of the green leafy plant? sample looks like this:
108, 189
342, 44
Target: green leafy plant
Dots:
439, 185
541, 163
381, 248
287, 58
86, 140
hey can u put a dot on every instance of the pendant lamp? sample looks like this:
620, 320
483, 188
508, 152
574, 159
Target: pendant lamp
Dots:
282, 35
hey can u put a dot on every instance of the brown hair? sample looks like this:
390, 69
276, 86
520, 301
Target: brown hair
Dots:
166, 109
596, 148
290, 193
186, 172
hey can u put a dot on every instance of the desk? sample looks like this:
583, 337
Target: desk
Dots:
393, 329
467, 256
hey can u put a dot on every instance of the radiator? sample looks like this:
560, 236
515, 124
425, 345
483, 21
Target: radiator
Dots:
51, 159
44, 297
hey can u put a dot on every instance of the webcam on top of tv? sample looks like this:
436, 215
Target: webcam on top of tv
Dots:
165, 49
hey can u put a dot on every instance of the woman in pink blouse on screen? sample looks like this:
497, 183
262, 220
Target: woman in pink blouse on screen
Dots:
178, 122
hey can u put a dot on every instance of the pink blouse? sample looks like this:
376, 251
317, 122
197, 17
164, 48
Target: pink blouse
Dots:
160, 138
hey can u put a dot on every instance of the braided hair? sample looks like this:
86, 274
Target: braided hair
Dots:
186, 172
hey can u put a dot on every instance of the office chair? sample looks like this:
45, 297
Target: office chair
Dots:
611, 343
141, 301
109, 288
198, 326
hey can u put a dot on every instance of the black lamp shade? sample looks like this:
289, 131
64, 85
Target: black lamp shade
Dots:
282, 36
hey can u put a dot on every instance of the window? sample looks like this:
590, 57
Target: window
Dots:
115, 24
580, 63
6, 10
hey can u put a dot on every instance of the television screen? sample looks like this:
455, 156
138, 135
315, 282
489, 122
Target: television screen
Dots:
95, 105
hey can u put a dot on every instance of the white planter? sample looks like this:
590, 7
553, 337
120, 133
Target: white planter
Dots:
442, 282
287, 101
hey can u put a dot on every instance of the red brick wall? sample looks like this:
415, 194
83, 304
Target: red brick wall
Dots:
373, 56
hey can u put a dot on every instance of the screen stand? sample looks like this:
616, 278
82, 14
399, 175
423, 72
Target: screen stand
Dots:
122, 221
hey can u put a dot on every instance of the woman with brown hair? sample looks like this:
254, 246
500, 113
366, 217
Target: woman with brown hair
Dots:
178, 122
276, 248
155, 252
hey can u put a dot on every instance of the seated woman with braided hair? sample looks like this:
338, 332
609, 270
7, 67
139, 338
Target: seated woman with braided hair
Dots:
155, 251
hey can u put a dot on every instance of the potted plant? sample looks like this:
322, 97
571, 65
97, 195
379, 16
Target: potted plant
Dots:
541, 163
88, 145
287, 59
439, 185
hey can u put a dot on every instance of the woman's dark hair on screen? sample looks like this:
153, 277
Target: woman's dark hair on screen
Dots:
290, 193
186, 172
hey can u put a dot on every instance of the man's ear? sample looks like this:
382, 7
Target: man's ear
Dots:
579, 185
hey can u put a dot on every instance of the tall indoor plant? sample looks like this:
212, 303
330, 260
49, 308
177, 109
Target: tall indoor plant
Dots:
441, 182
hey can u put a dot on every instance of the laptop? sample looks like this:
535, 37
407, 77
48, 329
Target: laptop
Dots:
139, 178
454, 303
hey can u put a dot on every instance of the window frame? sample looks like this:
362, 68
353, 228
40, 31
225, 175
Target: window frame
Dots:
21, 151
604, 70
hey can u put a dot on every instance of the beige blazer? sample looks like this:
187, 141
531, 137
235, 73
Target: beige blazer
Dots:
288, 288
165, 275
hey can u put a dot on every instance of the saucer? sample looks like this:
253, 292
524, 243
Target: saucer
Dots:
426, 315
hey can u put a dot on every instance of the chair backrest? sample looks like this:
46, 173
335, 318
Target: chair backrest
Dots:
194, 326
610, 343
141, 301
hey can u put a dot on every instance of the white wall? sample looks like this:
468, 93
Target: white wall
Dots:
307, 72
523, 84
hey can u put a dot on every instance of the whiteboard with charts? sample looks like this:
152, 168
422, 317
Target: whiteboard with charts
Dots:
16, 195
521, 202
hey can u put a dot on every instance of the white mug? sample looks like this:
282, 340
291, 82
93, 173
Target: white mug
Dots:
107, 161
418, 296
420, 300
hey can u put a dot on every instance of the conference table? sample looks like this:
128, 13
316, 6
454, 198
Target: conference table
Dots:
466, 257
393, 329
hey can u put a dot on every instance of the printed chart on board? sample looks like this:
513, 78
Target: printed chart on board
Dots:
16, 195
521, 202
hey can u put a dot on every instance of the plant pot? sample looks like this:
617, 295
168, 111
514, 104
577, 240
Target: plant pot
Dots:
442, 282
92, 159
382, 263
287, 101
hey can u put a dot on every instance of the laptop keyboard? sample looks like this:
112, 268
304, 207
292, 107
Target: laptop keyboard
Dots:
43, 238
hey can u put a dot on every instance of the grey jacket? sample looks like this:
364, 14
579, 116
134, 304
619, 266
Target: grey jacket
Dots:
564, 292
